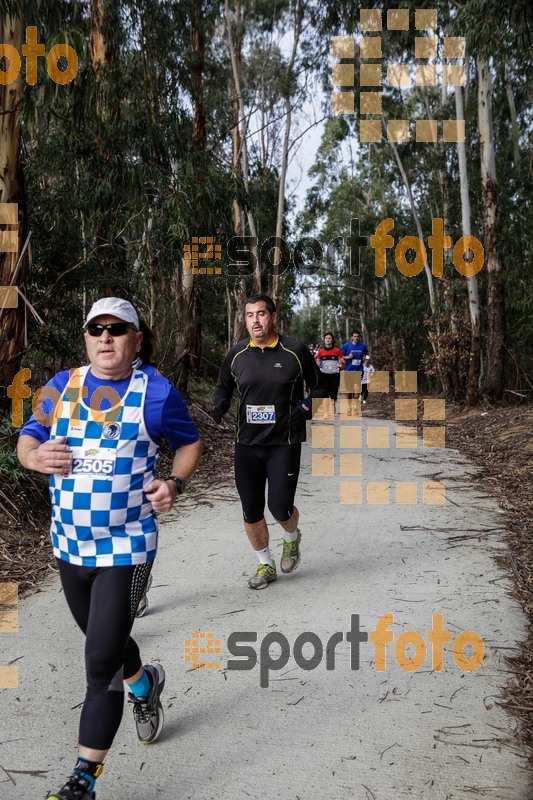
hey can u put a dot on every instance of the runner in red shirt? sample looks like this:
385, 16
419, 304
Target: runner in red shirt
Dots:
329, 359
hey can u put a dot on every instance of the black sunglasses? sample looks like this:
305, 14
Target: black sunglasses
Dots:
113, 328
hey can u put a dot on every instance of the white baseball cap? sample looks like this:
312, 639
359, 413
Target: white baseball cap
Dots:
367, 356
114, 307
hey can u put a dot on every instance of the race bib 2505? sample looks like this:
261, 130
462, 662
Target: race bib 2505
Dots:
93, 462
261, 415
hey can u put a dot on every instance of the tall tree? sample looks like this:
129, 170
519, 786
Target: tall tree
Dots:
472, 389
13, 265
491, 230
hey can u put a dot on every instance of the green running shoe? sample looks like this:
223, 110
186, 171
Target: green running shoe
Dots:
76, 788
291, 554
264, 575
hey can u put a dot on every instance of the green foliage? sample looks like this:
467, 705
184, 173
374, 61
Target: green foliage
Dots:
10, 468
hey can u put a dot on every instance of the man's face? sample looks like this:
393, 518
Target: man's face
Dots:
260, 322
108, 354
356, 338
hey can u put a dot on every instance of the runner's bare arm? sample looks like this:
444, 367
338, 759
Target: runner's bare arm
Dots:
46, 457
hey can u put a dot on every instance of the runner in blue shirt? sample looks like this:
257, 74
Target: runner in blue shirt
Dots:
353, 353
97, 437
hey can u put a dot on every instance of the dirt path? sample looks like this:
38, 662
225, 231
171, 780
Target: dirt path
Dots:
320, 733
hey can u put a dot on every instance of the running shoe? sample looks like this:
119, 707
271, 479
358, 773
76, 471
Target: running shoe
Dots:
143, 602
76, 788
148, 711
291, 554
264, 575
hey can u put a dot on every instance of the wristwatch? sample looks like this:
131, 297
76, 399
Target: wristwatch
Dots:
180, 483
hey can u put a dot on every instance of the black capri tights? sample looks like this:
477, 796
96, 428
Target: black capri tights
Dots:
254, 465
332, 380
104, 601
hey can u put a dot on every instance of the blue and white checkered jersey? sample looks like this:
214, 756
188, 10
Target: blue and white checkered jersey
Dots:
100, 514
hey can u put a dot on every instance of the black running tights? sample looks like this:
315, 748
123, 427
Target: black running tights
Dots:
103, 601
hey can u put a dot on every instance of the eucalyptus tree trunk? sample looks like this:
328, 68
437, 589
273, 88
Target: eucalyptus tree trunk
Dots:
236, 69
298, 18
416, 218
491, 229
189, 304
514, 122
429, 275
12, 266
472, 388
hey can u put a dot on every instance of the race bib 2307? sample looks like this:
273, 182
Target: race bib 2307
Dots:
261, 415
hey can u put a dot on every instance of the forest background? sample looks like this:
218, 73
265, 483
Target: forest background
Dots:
181, 122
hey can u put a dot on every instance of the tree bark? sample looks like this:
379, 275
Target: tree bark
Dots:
298, 13
242, 124
491, 229
472, 388
189, 305
12, 320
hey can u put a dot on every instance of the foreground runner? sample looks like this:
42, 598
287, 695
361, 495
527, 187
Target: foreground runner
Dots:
104, 527
268, 370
